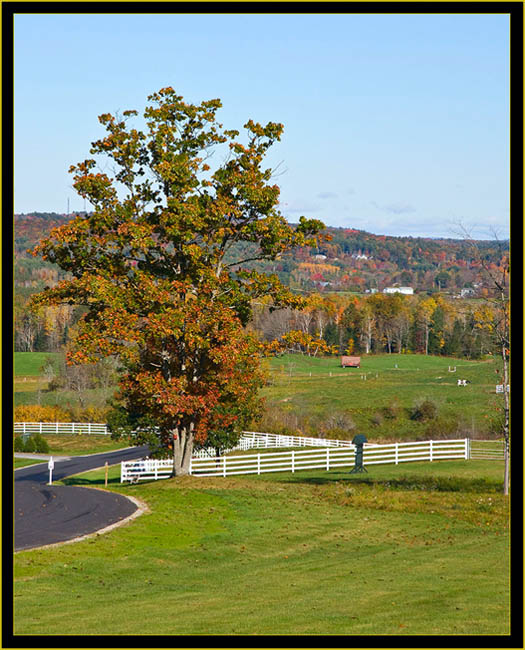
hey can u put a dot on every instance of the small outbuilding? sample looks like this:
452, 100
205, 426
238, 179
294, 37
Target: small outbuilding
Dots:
350, 362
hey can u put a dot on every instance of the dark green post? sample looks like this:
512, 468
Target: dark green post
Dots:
359, 441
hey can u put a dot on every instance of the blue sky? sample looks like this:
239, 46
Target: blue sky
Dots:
394, 124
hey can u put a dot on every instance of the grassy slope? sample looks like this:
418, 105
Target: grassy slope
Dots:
418, 549
30, 385
66, 445
310, 400
29, 364
304, 403
24, 462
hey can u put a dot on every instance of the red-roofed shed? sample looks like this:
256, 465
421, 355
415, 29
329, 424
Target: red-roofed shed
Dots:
350, 362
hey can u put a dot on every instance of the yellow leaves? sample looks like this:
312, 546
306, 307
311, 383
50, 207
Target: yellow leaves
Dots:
319, 268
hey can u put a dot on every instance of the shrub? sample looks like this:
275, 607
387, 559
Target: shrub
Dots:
424, 411
89, 414
41, 444
443, 428
36, 413
30, 447
496, 426
377, 419
19, 444
340, 421
392, 411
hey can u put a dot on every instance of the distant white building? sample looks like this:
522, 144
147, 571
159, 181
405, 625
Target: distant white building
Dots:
320, 257
407, 291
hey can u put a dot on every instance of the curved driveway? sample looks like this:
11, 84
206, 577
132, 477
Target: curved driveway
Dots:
47, 514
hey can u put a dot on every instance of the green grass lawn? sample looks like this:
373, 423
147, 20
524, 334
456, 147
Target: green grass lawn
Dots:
421, 548
30, 386
29, 364
69, 445
79, 445
302, 396
24, 462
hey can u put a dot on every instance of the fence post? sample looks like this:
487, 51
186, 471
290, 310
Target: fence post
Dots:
467, 448
89, 428
40, 428
258, 463
430, 450
56, 426
293, 461
328, 459
224, 466
397, 453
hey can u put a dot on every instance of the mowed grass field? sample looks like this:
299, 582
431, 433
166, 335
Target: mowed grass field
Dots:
315, 396
28, 377
417, 549
30, 385
79, 445
307, 394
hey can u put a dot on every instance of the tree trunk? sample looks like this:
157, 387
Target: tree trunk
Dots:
506, 430
182, 450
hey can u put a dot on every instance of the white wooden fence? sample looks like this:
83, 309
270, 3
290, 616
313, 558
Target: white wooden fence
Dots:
51, 428
291, 461
256, 440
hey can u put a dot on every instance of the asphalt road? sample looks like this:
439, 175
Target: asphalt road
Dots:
47, 514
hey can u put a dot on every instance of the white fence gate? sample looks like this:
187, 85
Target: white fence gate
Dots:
327, 458
486, 449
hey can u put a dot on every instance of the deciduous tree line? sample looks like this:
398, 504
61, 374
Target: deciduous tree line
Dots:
379, 323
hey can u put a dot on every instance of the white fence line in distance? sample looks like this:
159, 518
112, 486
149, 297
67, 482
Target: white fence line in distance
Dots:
54, 428
328, 458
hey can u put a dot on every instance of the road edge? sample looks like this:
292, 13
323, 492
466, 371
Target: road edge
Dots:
142, 508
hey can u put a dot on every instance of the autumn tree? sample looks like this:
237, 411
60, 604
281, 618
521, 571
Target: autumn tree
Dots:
493, 317
160, 262
299, 341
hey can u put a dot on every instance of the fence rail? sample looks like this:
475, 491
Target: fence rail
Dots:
53, 428
327, 458
486, 449
254, 439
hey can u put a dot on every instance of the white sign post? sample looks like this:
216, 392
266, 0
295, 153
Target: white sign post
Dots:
50, 466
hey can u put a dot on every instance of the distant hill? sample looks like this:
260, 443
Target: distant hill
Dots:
354, 260
30, 228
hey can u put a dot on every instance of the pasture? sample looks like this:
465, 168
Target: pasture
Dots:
307, 395
315, 396
413, 550
29, 364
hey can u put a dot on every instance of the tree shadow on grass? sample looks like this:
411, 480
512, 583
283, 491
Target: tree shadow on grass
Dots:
115, 481
405, 483
84, 482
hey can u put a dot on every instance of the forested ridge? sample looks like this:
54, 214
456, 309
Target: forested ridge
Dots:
340, 277
353, 260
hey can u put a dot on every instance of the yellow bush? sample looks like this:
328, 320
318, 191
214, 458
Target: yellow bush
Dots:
36, 413
89, 414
